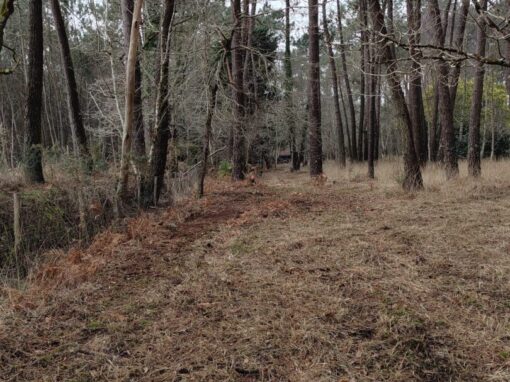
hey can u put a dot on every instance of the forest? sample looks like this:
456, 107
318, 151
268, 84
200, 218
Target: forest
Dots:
255, 190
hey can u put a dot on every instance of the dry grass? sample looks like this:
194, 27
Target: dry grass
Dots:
351, 281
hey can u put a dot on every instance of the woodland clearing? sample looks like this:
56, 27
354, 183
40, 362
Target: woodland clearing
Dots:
354, 280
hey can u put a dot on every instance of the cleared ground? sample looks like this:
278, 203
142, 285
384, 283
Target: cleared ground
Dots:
353, 280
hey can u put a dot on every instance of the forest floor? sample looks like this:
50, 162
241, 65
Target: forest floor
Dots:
353, 280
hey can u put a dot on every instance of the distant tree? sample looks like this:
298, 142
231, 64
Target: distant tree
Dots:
33, 155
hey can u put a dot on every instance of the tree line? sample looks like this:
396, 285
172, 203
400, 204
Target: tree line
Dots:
155, 88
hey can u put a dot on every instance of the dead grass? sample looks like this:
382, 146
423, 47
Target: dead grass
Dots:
351, 281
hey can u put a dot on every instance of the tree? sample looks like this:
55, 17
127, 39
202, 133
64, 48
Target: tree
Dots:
415, 94
474, 165
33, 156
72, 88
314, 91
6, 10
412, 177
289, 85
445, 105
334, 85
127, 137
239, 156
127, 21
345, 75
159, 151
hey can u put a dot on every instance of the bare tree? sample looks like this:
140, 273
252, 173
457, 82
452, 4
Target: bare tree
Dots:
6, 10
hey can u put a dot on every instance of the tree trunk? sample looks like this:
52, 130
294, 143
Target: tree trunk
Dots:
415, 95
457, 43
474, 162
239, 151
345, 75
159, 151
412, 177
6, 10
334, 84
363, 79
213, 91
289, 86
445, 105
314, 91
72, 87
33, 157
139, 140
129, 114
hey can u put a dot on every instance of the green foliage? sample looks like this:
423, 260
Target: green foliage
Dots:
225, 168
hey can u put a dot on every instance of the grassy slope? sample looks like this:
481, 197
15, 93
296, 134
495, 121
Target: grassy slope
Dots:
352, 281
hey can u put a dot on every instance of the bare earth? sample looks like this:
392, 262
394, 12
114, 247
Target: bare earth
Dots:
283, 281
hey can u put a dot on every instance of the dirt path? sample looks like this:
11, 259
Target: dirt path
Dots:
287, 283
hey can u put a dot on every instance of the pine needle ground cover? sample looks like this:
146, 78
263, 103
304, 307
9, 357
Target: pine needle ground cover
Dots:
352, 280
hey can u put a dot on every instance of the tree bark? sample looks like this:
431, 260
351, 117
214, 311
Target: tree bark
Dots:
139, 139
314, 91
415, 94
129, 115
289, 86
363, 79
457, 43
33, 156
239, 143
445, 105
72, 87
474, 161
334, 84
6, 10
412, 177
213, 91
159, 150
345, 75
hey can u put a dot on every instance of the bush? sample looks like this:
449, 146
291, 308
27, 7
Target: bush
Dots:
225, 168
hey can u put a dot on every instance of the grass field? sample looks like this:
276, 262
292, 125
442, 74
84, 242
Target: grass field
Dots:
354, 280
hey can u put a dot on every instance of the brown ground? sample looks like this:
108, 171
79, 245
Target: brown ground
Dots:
285, 281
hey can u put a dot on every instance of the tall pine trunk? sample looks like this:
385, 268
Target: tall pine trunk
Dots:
239, 140
72, 87
415, 94
474, 161
334, 84
412, 177
33, 156
314, 91
345, 74
445, 106
289, 86
159, 151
